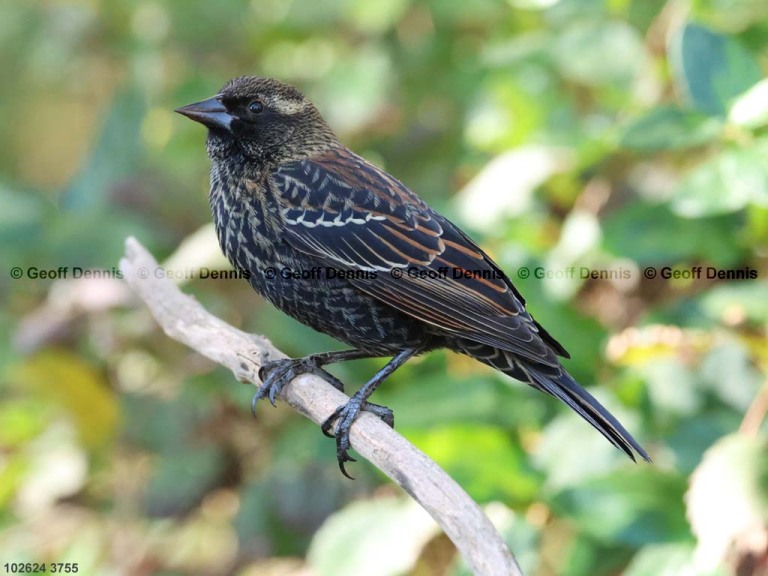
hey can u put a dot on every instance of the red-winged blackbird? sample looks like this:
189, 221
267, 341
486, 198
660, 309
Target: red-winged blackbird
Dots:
347, 249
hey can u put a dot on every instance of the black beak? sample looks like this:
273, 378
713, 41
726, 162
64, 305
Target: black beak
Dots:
211, 113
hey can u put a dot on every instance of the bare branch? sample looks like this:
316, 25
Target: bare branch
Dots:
184, 319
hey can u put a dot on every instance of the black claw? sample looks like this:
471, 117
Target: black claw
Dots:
343, 457
265, 388
273, 390
342, 451
343, 470
341, 435
345, 415
275, 375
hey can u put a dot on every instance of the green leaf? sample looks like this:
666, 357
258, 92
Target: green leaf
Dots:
728, 496
115, 156
684, 398
580, 52
483, 459
182, 478
449, 399
252, 521
726, 183
374, 17
560, 451
727, 369
21, 420
693, 436
662, 560
635, 506
652, 234
749, 299
20, 220
710, 69
13, 475
356, 90
751, 108
734, 15
669, 128
381, 537
75, 385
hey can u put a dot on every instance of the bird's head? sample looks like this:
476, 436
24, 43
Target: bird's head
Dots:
265, 119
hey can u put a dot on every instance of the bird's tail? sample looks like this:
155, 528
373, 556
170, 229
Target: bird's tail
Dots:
560, 384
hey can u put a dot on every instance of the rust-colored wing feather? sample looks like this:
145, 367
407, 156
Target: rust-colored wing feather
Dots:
348, 213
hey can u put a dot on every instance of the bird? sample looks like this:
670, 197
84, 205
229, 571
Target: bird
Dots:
348, 250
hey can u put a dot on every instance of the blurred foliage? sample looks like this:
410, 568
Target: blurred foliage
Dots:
613, 135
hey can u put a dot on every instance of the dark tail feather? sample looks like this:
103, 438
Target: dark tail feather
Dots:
585, 405
560, 385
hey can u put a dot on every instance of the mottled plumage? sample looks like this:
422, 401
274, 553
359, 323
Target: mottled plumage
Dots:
286, 195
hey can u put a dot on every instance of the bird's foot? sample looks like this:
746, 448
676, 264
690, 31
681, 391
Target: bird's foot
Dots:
344, 416
275, 374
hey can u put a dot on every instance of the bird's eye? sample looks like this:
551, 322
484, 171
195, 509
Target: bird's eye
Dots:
256, 106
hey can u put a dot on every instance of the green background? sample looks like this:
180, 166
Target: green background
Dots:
613, 135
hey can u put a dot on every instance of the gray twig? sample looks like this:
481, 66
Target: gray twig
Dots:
184, 319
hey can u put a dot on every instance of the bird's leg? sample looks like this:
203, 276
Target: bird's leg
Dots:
346, 414
382, 412
275, 374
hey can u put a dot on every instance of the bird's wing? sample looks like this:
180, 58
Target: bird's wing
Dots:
347, 213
